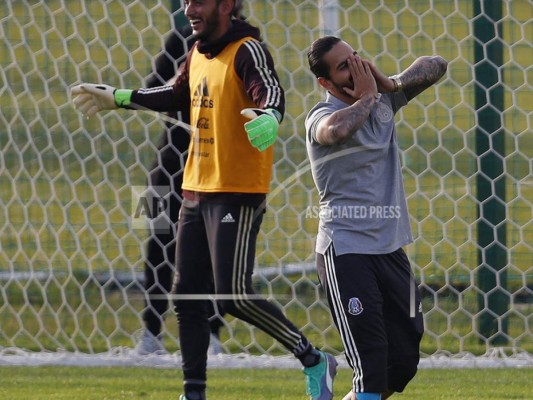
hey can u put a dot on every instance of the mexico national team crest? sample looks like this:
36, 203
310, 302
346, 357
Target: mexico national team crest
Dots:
384, 113
354, 306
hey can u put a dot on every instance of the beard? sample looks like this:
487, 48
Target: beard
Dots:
340, 86
211, 24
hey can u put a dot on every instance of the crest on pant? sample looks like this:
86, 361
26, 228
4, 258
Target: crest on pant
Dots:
355, 307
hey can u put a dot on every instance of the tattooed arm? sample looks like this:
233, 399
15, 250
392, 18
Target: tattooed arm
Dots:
338, 127
421, 74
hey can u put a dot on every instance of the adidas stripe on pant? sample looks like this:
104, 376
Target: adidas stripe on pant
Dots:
217, 242
376, 307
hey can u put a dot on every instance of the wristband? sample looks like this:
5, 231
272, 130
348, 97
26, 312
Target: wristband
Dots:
276, 114
123, 97
398, 85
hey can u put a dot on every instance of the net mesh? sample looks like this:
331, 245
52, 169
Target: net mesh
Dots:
71, 259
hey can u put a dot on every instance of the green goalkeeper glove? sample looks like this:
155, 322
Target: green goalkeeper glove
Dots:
92, 98
263, 128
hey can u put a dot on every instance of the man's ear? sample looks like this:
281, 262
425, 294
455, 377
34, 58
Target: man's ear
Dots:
325, 83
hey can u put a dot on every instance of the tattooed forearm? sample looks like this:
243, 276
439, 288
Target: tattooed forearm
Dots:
421, 74
342, 124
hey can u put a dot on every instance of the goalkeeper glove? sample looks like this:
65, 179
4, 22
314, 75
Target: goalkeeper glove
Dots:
262, 130
92, 98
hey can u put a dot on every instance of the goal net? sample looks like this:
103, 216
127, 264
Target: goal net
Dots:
72, 246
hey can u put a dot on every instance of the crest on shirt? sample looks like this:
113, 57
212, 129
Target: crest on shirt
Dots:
355, 307
384, 113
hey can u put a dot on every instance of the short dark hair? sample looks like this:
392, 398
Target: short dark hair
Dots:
315, 55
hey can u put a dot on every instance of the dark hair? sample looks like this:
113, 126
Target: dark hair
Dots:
316, 53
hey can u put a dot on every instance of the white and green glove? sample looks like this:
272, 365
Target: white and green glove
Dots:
263, 128
92, 98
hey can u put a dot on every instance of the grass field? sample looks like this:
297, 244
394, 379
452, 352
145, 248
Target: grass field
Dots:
63, 383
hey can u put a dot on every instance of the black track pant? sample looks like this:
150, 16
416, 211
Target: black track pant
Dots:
219, 240
375, 304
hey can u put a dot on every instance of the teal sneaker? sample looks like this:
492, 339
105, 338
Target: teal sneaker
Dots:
319, 379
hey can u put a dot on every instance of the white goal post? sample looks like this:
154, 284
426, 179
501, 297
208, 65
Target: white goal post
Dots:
71, 248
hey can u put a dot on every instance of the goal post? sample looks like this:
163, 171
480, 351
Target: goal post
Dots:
73, 206
329, 17
490, 181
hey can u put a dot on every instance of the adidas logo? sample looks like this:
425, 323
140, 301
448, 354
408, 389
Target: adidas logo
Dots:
227, 218
201, 96
201, 89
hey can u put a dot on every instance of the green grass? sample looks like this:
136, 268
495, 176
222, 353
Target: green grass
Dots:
40, 383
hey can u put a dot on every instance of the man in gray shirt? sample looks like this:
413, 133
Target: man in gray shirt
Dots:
353, 149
